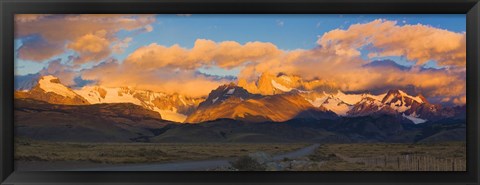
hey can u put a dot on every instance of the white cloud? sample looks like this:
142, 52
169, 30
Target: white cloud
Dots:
280, 23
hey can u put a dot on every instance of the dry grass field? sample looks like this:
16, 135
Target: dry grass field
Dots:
328, 157
124, 153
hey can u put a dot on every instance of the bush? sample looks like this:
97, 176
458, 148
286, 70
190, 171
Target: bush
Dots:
247, 163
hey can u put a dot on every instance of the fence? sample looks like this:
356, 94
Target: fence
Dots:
411, 163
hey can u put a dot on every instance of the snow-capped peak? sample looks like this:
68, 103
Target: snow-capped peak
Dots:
280, 86
349, 98
96, 94
52, 84
393, 95
345, 104
416, 98
173, 107
286, 78
336, 105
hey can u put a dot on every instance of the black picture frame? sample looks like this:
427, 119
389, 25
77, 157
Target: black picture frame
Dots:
10, 7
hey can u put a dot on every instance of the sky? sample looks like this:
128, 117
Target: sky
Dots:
179, 53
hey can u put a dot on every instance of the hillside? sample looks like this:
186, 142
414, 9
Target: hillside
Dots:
86, 123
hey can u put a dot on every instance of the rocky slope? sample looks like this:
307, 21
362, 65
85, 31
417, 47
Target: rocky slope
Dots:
234, 102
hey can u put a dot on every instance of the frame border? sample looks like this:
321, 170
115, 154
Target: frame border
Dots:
10, 7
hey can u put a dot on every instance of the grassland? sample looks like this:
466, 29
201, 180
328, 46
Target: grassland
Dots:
392, 157
328, 157
125, 153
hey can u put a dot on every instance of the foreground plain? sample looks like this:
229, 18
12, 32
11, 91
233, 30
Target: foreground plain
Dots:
42, 155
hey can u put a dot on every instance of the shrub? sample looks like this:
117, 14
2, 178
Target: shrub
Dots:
247, 163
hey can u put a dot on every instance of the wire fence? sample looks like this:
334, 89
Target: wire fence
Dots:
410, 163
416, 163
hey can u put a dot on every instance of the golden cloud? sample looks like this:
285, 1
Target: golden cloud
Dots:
418, 43
227, 54
62, 32
91, 47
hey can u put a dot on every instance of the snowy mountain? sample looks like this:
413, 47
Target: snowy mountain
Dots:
394, 102
271, 98
233, 102
50, 89
225, 92
322, 94
327, 95
172, 107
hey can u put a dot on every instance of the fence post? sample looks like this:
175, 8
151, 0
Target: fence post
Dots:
429, 164
407, 163
385, 161
453, 164
398, 163
418, 163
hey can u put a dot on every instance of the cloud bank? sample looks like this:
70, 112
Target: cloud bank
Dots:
418, 43
89, 36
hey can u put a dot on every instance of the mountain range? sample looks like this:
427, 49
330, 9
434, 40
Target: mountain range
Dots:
283, 98
316, 109
174, 107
